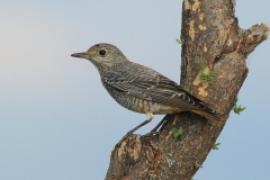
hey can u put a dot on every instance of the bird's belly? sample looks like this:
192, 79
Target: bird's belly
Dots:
145, 106
157, 108
140, 105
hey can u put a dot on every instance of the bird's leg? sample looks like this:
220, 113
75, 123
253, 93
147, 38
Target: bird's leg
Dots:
148, 120
155, 129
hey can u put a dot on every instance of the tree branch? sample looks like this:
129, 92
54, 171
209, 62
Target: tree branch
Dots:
213, 43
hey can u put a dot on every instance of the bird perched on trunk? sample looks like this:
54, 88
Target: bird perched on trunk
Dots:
140, 88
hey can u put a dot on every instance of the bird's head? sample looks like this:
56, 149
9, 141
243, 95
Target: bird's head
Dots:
102, 54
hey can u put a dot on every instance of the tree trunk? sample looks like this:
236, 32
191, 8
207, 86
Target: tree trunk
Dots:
213, 46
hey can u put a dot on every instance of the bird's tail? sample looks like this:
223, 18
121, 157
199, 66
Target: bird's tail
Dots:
212, 117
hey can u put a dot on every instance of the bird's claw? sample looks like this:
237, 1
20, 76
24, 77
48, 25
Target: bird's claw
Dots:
152, 133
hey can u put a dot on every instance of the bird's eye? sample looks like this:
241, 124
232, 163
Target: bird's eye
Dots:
102, 52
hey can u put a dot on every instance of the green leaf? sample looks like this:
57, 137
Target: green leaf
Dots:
179, 41
178, 133
206, 74
207, 77
216, 146
237, 108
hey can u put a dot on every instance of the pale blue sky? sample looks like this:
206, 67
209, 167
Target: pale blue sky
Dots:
56, 120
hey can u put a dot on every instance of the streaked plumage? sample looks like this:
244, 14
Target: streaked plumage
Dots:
138, 87
135, 86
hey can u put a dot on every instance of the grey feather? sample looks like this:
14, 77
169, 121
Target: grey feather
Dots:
138, 87
144, 83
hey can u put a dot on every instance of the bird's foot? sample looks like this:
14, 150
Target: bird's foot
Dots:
152, 133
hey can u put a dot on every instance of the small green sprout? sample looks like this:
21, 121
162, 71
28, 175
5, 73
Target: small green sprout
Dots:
238, 108
178, 133
207, 77
216, 146
179, 41
206, 74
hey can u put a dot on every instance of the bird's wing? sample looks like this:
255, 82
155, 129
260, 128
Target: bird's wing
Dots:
156, 88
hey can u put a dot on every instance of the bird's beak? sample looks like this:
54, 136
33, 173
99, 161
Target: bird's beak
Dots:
80, 55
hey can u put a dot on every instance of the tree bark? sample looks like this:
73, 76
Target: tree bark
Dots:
212, 40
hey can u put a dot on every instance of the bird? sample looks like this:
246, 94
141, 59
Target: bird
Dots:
140, 88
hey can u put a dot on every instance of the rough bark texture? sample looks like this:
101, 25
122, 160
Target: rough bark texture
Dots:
212, 40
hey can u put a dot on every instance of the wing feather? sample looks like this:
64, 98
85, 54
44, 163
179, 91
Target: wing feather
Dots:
156, 88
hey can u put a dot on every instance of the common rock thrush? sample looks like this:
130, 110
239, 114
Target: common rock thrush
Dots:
140, 88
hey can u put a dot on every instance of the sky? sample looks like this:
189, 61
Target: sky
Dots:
56, 120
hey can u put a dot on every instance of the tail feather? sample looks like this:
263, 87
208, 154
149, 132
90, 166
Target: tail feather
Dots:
212, 116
